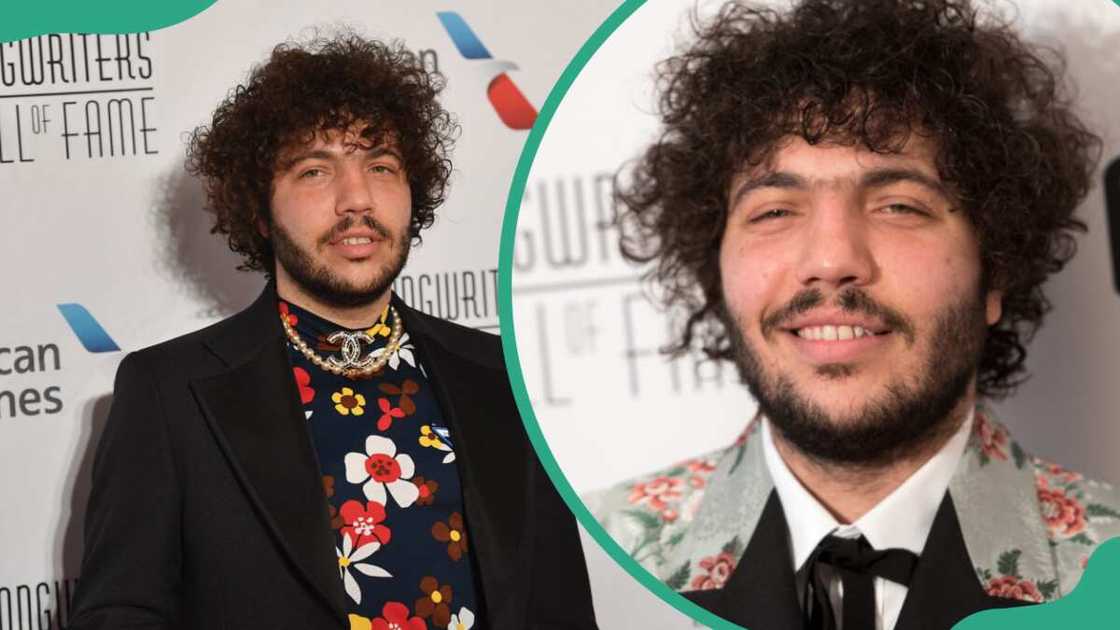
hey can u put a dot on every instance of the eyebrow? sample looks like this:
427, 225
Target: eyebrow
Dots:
323, 154
875, 178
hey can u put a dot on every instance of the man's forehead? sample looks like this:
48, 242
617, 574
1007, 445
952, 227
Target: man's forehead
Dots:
339, 141
794, 153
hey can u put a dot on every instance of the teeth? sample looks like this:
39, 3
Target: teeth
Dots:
357, 240
829, 332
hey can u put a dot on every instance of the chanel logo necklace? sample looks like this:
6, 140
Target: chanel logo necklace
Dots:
352, 364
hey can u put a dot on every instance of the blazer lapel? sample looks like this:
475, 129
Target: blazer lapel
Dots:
256, 418
491, 455
944, 588
761, 592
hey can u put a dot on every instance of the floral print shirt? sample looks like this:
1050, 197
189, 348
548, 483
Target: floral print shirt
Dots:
1029, 525
389, 474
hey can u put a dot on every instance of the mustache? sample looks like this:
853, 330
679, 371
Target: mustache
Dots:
850, 300
348, 222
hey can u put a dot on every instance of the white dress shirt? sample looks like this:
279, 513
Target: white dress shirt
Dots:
901, 520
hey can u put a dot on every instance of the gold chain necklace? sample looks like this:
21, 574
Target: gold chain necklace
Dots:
351, 366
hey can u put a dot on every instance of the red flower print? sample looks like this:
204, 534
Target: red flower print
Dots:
701, 466
365, 524
669, 515
436, 602
700, 469
383, 468
716, 569
656, 493
291, 318
394, 616
452, 533
993, 438
303, 382
427, 489
388, 413
406, 391
1064, 515
1060, 473
1011, 587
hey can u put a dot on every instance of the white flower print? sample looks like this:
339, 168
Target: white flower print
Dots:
350, 558
462, 621
405, 351
381, 470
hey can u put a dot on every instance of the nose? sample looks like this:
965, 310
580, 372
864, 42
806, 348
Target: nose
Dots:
352, 191
836, 251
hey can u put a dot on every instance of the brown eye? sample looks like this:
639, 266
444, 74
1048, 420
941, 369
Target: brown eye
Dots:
902, 208
770, 214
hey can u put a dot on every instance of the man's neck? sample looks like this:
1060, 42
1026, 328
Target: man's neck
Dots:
848, 491
353, 317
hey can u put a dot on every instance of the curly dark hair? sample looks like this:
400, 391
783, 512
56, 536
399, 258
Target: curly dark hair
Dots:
864, 73
303, 90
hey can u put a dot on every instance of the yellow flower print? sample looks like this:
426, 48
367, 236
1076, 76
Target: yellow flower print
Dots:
429, 439
380, 328
347, 402
358, 622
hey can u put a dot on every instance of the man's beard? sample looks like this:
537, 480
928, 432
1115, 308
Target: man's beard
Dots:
320, 282
909, 416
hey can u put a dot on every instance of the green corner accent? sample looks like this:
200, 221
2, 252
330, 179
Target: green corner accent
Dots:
28, 19
509, 340
1090, 605
1085, 607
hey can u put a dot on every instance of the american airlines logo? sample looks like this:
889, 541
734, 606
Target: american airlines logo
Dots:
89, 331
507, 99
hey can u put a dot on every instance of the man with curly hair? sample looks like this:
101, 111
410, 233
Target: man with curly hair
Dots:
857, 202
329, 457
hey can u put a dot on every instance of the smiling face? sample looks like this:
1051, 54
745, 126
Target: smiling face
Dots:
852, 283
340, 219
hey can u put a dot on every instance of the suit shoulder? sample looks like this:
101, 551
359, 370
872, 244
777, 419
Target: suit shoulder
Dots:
649, 514
479, 346
1078, 513
188, 349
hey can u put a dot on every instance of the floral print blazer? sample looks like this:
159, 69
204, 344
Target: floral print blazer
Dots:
1028, 525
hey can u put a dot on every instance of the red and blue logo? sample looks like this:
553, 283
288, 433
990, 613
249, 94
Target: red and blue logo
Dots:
511, 105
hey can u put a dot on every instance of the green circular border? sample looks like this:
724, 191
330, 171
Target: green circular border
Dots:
509, 341
23, 20
1077, 607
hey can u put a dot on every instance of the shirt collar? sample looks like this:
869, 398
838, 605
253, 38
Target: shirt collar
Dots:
901, 520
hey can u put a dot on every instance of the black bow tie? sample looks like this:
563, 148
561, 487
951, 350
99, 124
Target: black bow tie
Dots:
857, 565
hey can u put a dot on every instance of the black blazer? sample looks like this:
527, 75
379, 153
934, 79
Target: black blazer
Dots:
760, 593
207, 509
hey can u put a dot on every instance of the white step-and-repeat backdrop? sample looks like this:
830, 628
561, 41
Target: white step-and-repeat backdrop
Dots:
104, 246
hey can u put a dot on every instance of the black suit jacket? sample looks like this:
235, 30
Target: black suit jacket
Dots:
761, 593
207, 509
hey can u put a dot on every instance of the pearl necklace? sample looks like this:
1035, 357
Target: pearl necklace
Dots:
366, 366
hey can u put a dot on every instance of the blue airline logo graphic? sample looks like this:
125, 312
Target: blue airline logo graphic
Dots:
510, 104
89, 332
